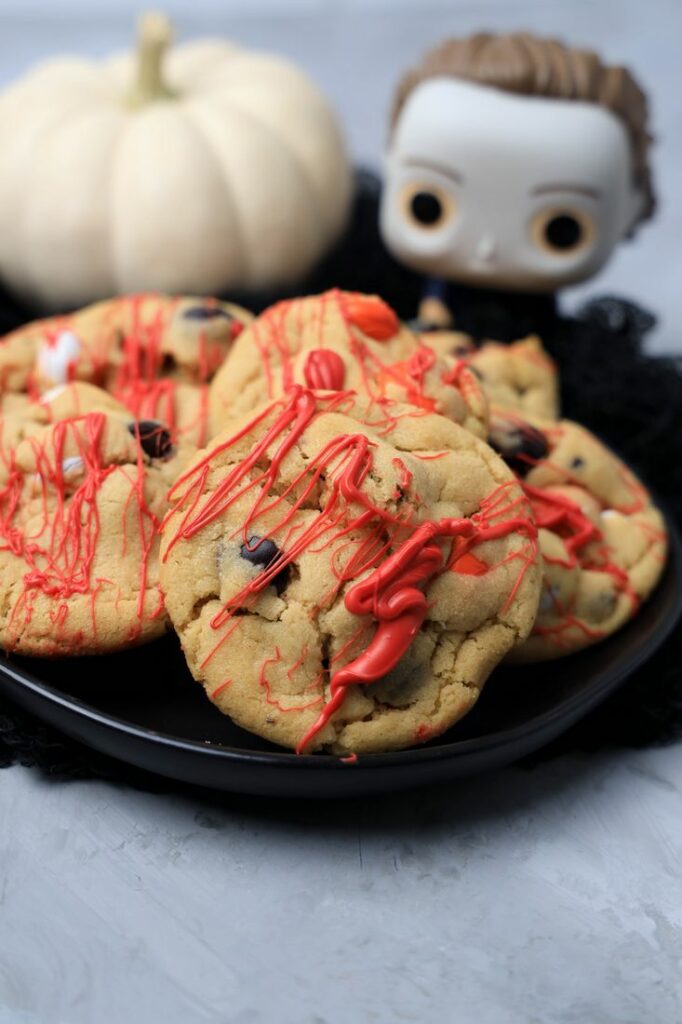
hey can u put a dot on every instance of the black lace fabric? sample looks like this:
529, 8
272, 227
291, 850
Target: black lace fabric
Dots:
632, 400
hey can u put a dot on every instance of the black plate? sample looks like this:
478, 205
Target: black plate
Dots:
144, 708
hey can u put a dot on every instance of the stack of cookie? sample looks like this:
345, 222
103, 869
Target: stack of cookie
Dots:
348, 525
602, 539
99, 412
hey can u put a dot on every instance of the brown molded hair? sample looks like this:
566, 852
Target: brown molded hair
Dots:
528, 66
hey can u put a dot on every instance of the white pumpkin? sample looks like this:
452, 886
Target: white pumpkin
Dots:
194, 171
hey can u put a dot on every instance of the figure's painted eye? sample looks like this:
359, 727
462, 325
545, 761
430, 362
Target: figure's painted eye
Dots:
562, 232
427, 206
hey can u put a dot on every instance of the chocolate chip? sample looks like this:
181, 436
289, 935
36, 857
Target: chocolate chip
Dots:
155, 439
520, 445
206, 313
577, 463
264, 552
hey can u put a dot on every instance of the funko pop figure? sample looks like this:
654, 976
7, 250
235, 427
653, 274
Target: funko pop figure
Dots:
515, 164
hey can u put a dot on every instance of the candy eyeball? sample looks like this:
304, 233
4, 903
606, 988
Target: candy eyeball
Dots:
51, 394
57, 357
72, 465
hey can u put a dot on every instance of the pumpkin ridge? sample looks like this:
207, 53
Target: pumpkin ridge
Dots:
23, 265
245, 262
116, 275
137, 242
318, 240
320, 211
190, 82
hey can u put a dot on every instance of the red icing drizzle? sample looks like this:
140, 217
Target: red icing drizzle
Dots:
402, 557
281, 331
133, 365
586, 549
277, 336
139, 381
461, 376
638, 495
59, 552
583, 540
410, 375
392, 594
563, 517
220, 687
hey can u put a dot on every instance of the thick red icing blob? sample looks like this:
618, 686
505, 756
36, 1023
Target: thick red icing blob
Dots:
393, 596
398, 556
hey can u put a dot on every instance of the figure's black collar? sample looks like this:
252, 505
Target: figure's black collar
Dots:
504, 316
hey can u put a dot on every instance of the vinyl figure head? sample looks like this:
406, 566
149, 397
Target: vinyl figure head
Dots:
514, 163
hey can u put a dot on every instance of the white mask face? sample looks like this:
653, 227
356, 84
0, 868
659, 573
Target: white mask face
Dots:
497, 190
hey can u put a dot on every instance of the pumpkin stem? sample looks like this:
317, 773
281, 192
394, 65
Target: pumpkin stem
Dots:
154, 36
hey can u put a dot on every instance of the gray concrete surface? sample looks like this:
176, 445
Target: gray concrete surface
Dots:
549, 896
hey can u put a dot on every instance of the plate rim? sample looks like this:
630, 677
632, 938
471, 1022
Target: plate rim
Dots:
454, 749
